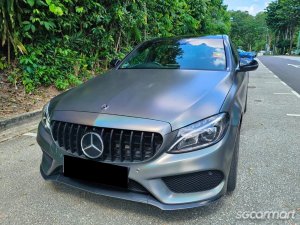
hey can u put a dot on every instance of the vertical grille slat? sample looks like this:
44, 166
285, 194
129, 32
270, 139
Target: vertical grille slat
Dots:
102, 157
64, 136
54, 130
130, 146
81, 133
141, 146
102, 131
152, 144
77, 139
70, 137
119, 145
110, 144
57, 133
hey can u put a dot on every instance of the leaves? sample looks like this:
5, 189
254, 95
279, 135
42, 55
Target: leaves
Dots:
3, 63
56, 10
247, 31
70, 41
30, 2
10, 20
283, 19
79, 9
49, 25
28, 26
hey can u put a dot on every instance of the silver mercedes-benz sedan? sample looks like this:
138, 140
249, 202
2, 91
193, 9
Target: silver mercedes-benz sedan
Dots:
161, 127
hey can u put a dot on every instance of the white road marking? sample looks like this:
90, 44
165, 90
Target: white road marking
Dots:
282, 93
295, 115
30, 134
295, 93
297, 66
283, 83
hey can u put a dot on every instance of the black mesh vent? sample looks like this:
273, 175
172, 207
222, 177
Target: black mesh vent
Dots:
194, 182
136, 187
119, 145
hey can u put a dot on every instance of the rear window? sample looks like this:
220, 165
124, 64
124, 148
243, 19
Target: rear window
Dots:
189, 54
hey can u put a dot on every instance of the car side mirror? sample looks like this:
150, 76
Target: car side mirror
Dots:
247, 65
113, 63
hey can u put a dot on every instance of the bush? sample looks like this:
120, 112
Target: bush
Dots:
67, 41
47, 64
3, 63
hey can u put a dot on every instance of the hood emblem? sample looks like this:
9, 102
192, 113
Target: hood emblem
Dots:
92, 145
104, 107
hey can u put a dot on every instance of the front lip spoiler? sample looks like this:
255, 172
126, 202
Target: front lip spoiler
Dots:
131, 196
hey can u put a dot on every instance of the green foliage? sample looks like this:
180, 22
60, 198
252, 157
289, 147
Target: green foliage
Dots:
70, 41
3, 63
52, 64
247, 31
55, 7
219, 19
10, 12
14, 77
283, 18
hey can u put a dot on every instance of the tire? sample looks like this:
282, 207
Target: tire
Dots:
232, 178
246, 103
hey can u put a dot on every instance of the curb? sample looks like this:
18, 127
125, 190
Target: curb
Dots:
20, 119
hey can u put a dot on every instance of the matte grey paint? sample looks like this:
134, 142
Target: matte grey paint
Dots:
174, 96
112, 121
158, 101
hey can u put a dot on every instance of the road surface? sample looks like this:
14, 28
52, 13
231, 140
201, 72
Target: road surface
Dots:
287, 68
268, 175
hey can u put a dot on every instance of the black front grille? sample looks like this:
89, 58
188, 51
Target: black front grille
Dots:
194, 182
119, 145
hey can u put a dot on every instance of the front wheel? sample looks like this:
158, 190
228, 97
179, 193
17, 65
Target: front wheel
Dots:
246, 103
232, 178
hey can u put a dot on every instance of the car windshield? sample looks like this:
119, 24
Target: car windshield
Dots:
189, 54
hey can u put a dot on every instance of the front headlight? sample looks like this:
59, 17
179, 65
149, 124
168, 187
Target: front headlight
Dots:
201, 134
46, 117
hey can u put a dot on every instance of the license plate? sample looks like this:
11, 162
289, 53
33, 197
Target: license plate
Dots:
98, 172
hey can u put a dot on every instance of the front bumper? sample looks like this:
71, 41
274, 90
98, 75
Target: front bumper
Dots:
149, 174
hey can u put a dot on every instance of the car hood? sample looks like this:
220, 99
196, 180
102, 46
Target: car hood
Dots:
179, 97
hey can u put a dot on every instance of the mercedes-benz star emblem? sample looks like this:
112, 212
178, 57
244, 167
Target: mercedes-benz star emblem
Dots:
92, 145
104, 107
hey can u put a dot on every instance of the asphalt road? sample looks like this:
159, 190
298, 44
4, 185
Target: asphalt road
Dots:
287, 68
268, 177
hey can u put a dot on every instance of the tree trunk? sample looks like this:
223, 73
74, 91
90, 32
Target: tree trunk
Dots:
146, 21
8, 52
291, 40
118, 42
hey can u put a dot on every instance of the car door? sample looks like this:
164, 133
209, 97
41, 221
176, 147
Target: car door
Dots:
240, 78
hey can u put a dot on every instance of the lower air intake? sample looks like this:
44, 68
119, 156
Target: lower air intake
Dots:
194, 182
